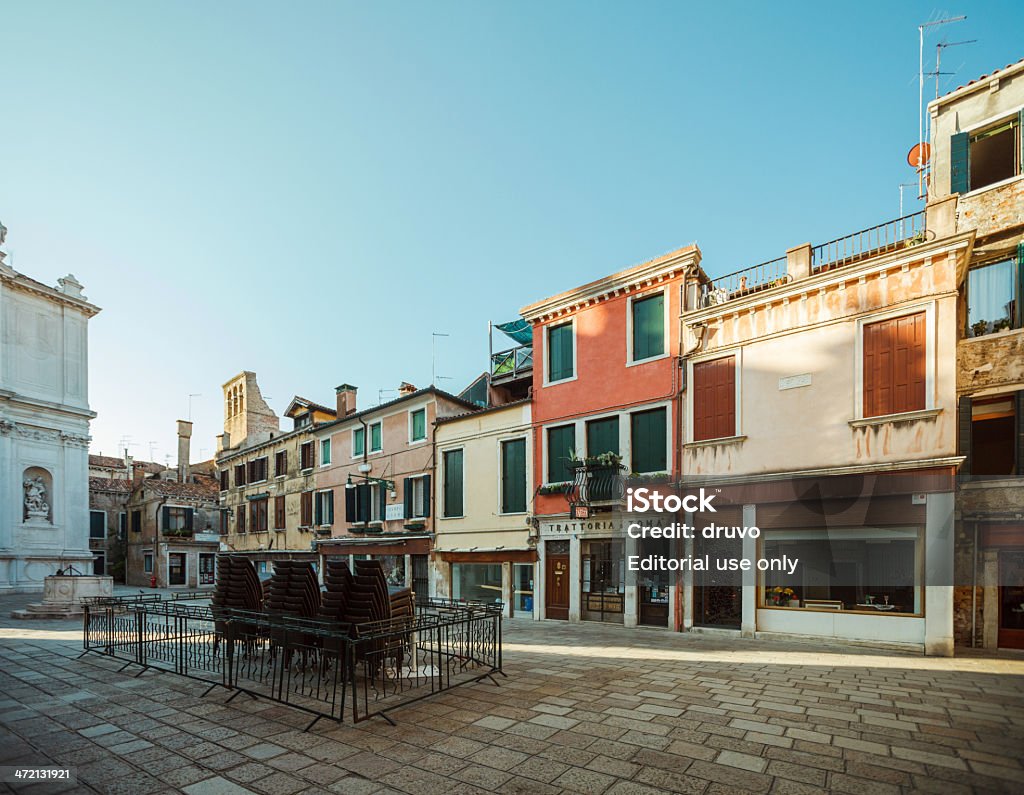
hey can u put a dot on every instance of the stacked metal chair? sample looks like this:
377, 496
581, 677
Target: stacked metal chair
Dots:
294, 592
237, 588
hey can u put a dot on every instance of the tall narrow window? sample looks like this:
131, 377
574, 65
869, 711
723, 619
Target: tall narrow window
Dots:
306, 456
239, 474
240, 519
325, 452
649, 440
561, 364
358, 441
258, 515
97, 524
281, 463
279, 514
513, 476
453, 483
994, 296
648, 327
306, 508
376, 442
714, 399
418, 425
325, 507
561, 451
894, 365
994, 435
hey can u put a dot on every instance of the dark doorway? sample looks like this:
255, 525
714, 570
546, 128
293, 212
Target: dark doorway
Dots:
556, 586
603, 586
1011, 599
717, 595
176, 568
420, 579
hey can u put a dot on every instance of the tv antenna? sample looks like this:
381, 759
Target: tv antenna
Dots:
938, 60
152, 446
192, 395
920, 92
433, 357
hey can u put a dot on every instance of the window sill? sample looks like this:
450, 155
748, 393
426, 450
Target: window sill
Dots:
307, 471
648, 360
719, 442
994, 335
904, 416
560, 381
993, 186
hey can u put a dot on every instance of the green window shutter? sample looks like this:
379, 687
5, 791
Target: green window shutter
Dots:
189, 518
364, 494
959, 163
513, 476
427, 496
375, 443
649, 327
97, 524
561, 447
560, 359
648, 441
330, 507
165, 518
407, 497
453, 483
382, 494
318, 508
603, 436
350, 505
419, 425
358, 441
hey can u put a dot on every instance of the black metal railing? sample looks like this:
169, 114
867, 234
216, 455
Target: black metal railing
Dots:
512, 363
324, 668
596, 482
749, 280
890, 236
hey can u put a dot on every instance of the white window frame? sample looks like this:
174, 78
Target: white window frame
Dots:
148, 553
352, 441
576, 445
318, 496
106, 531
325, 445
421, 479
369, 434
177, 506
375, 493
737, 431
929, 308
413, 440
122, 524
284, 474
628, 431
631, 361
980, 126
547, 359
301, 445
528, 473
167, 568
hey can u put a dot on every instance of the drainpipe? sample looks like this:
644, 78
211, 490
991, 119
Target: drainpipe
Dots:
974, 591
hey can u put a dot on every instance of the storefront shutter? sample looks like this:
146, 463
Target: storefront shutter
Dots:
964, 419
959, 159
426, 496
407, 493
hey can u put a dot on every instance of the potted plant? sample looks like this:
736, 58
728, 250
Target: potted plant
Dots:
780, 596
979, 328
1002, 324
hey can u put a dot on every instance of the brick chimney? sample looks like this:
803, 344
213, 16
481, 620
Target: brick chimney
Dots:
346, 397
405, 388
184, 451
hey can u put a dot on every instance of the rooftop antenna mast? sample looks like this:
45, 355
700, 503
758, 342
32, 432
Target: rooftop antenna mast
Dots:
920, 91
152, 446
433, 356
938, 59
192, 395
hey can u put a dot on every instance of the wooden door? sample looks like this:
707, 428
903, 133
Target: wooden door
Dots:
556, 587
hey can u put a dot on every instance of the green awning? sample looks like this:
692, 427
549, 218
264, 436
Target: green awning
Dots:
519, 330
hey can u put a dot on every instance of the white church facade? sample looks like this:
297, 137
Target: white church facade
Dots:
44, 429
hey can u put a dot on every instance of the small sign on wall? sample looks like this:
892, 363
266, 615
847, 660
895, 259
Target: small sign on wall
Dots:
392, 513
795, 381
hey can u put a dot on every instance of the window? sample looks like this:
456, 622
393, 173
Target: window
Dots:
416, 491
476, 582
258, 515
991, 438
418, 425
279, 523
281, 464
846, 569
648, 321
147, 562
136, 521
325, 452
177, 520
714, 399
894, 365
513, 476
306, 508
561, 364
985, 157
239, 474
325, 507
375, 438
240, 519
358, 441
648, 440
97, 524
364, 502
224, 514
122, 524
257, 470
306, 456
453, 483
224, 480
561, 450
994, 296
603, 436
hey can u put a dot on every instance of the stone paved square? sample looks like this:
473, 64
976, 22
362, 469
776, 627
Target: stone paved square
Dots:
584, 709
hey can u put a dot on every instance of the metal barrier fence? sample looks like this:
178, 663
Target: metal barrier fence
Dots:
326, 669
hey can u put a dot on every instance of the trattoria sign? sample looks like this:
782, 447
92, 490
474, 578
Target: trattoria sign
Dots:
564, 528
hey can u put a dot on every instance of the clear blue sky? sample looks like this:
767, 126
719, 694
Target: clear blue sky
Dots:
309, 190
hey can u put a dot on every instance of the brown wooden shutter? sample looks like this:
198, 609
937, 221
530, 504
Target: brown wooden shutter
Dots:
714, 399
279, 512
307, 508
895, 364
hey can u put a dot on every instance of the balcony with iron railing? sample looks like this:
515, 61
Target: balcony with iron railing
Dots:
901, 233
596, 480
512, 364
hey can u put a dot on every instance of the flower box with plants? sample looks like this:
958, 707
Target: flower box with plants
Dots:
781, 597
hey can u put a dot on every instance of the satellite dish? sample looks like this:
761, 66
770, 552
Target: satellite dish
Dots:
919, 155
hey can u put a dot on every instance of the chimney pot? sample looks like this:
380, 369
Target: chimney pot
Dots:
346, 399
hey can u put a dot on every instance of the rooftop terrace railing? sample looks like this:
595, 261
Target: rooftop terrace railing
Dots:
744, 282
892, 235
512, 363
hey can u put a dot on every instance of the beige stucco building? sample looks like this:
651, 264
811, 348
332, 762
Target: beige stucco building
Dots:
485, 545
